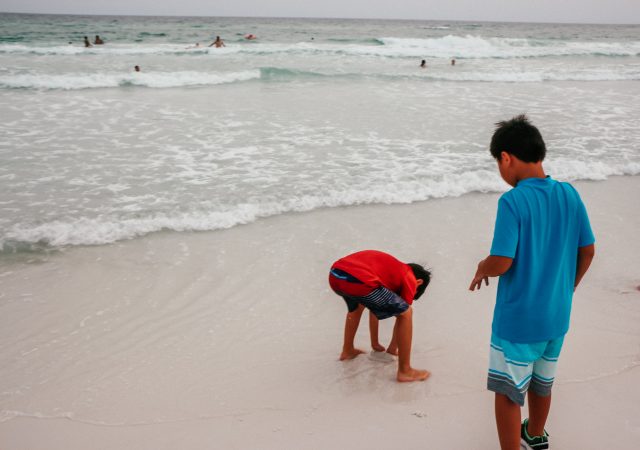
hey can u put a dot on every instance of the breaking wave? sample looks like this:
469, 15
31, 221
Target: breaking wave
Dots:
111, 228
468, 46
110, 80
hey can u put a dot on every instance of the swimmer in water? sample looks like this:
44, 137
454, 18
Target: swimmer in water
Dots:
87, 44
423, 64
98, 41
137, 68
218, 43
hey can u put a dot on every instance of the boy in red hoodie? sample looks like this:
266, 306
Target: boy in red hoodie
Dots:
387, 287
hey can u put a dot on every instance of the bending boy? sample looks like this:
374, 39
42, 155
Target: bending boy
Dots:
542, 247
387, 287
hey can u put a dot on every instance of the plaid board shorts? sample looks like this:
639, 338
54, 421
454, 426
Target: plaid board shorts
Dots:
382, 302
514, 368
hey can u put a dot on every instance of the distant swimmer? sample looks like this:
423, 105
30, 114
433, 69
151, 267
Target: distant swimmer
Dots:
87, 43
250, 37
137, 68
453, 61
423, 64
218, 43
197, 45
98, 41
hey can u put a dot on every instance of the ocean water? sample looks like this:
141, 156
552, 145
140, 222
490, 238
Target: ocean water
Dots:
311, 114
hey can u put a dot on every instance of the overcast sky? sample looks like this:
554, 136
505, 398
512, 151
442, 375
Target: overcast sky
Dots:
583, 11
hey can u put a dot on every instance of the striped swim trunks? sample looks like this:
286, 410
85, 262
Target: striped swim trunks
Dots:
515, 368
382, 302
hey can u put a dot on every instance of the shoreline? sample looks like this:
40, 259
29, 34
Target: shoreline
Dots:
47, 251
178, 340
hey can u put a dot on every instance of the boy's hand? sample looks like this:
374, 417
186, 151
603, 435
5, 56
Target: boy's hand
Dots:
476, 283
492, 266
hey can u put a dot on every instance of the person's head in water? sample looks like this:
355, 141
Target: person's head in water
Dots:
137, 68
423, 63
421, 274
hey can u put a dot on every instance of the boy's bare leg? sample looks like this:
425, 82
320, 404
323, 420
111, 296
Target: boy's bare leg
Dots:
393, 345
538, 411
508, 422
404, 323
373, 332
350, 328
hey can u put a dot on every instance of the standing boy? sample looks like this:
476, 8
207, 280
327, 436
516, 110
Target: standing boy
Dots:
387, 287
542, 247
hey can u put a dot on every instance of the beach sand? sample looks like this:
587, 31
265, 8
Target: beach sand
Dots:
230, 339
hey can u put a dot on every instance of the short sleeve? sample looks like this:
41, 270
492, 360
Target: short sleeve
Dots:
585, 236
506, 231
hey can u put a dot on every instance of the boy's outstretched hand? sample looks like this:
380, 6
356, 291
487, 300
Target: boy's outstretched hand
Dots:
476, 283
492, 266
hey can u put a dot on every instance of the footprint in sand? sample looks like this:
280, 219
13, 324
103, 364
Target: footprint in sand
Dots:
382, 357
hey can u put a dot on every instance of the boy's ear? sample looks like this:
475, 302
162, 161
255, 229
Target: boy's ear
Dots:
419, 281
505, 157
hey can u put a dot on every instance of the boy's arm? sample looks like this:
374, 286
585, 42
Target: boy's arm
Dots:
585, 256
492, 266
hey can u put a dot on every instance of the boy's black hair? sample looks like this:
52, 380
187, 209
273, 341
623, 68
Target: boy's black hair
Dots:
519, 138
421, 274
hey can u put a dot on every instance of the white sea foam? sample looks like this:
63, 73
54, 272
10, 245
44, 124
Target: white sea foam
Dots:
468, 46
74, 81
530, 76
111, 49
104, 230
107, 80
481, 47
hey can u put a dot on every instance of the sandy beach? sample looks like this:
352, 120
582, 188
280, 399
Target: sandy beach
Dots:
230, 339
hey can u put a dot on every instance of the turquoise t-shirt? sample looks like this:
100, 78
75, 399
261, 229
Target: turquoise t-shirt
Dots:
541, 223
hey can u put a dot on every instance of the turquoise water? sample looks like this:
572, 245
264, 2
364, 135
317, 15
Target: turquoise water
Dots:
313, 113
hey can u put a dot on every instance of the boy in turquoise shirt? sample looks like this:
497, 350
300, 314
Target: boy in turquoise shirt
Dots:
542, 247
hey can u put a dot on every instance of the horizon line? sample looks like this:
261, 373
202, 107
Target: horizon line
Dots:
320, 18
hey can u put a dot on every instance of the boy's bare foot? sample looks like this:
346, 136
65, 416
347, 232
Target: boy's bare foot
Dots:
350, 354
393, 351
413, 375
377, 347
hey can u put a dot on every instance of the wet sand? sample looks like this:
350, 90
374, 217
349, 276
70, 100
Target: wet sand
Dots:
230, 339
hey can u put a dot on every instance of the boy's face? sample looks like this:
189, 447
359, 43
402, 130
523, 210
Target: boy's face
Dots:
506, 167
